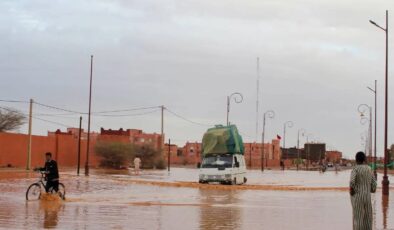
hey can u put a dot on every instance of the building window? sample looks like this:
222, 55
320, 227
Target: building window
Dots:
142, 140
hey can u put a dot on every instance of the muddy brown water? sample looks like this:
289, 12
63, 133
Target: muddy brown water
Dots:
158, 200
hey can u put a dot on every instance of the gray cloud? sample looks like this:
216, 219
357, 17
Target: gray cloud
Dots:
317, 57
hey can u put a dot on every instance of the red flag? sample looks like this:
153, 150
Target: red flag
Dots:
278, 137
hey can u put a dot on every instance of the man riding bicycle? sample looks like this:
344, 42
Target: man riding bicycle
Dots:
51, 173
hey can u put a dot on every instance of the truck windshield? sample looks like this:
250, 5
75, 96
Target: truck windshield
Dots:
217, 161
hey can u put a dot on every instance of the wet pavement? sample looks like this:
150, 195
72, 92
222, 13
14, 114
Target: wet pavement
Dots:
116, 200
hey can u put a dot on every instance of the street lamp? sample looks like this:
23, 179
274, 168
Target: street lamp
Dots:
286, 124
238, 98
362, 110
269, 114
375, 107
302, 132
385, 181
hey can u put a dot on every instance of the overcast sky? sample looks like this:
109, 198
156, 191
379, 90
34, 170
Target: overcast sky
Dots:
316, 59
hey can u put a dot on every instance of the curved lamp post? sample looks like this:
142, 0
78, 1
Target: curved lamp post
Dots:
238, 98
385, 181
286, 124
269, 114
302, 132
374, 144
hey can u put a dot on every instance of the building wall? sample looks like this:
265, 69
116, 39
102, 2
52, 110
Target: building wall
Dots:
64, 146
64, 149
333, 156
190, 154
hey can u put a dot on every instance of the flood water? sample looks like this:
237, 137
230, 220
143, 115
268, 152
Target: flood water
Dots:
115, 200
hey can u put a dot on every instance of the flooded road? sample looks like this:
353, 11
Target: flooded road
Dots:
158, 200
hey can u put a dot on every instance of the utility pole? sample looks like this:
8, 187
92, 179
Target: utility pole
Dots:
169, 155
250, 155
90, 107
162, 130
79, 144
257, 97
162, 123
29, 141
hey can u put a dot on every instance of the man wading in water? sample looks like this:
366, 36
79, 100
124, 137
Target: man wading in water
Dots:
362, 184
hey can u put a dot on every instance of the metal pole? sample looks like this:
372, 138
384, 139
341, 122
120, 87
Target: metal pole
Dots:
169, 155
29, 140
307, 153
257, 98
262, 145
370, 133
284, 136
385, 181
228, 109
90, 106
79, 144
162, 131
298, 147
374, 171
250, 155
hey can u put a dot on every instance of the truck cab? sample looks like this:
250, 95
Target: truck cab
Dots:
223, 168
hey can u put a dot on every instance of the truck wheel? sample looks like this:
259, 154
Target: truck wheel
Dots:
245, 179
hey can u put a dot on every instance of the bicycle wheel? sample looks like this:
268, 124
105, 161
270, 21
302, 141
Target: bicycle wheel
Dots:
62, 191
33, 192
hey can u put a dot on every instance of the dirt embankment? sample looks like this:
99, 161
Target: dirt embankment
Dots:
234, 187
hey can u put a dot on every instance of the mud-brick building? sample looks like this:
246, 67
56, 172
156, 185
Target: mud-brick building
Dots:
190, 154
271, 158
333, 156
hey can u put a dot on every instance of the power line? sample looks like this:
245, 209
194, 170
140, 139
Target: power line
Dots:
13, 110
185, 119
13, 101
57, 108
127, 110
53, 122
126, 115
100, 112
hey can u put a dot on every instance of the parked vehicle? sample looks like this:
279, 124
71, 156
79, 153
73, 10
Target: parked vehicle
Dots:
223, 158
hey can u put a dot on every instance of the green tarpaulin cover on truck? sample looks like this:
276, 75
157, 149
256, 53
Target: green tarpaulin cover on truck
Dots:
222, 139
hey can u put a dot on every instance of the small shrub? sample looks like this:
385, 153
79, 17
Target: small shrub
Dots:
114, 154
160, 164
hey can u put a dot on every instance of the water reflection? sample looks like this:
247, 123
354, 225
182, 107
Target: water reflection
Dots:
374, 211
385, 206
219, 210
51, 209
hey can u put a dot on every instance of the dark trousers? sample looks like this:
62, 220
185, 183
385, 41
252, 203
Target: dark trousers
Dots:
52, 185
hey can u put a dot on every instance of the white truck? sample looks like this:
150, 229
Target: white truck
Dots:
222, 156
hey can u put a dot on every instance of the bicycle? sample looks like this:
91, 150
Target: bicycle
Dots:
35, 189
